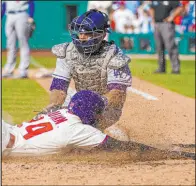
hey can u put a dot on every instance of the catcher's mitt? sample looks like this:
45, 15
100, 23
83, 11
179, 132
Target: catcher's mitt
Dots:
48, 110
30, 28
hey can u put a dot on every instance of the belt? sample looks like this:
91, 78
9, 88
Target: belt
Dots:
15, 12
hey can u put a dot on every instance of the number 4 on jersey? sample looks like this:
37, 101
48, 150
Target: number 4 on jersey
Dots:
34, 130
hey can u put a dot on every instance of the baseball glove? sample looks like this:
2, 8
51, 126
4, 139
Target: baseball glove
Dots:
30, 28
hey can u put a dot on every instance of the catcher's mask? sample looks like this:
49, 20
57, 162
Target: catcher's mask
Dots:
87, 105
94, 25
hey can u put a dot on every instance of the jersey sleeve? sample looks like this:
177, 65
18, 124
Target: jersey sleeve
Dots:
31, 8
62, 70
120, 76
86, 137
3, 8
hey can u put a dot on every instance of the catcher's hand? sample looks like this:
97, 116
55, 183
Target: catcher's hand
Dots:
48, 109
115, 98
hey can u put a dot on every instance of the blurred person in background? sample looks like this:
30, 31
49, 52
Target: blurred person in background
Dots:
163, 14
145, 18
146, 26
123, 18
129, 28
102, 6
136, 23
111, 18
189, 18
178, 19
192, 12
132, 6
19, 14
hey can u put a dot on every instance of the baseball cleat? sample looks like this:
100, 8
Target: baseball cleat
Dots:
20, 77
159, 72
175, 72
7, 75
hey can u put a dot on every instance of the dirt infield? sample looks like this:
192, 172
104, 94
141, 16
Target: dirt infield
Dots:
168, 120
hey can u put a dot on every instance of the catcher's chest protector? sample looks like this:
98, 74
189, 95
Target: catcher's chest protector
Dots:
90, 74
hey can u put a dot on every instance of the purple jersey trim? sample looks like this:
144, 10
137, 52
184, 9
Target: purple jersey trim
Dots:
116, 86
3, 9
59, 84
105, 140
31, 8
56, 76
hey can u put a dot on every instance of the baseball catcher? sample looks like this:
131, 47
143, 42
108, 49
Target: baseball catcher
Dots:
93, 63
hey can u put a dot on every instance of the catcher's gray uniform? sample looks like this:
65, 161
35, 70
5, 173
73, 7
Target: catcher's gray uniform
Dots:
108, 67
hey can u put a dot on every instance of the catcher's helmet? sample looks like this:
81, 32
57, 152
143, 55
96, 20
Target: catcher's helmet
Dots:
86, 105
93, 23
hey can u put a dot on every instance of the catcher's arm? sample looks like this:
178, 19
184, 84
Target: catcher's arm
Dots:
119, 80
58, 94
57, 97
116, 98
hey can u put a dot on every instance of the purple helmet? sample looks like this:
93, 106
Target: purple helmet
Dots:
86, 105
92, 22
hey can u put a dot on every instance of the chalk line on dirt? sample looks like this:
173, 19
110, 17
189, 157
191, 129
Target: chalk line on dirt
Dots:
143, 94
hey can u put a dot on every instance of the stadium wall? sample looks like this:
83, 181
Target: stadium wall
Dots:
52, 18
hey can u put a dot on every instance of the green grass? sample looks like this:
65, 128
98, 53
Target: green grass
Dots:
48, 62
183, 84
20, 98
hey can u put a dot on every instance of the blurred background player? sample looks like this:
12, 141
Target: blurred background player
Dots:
93, 63
103, 6
163, 14
19, 14
122, 17
61, 129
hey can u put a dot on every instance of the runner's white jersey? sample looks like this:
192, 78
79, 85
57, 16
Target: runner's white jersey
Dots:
52, 132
